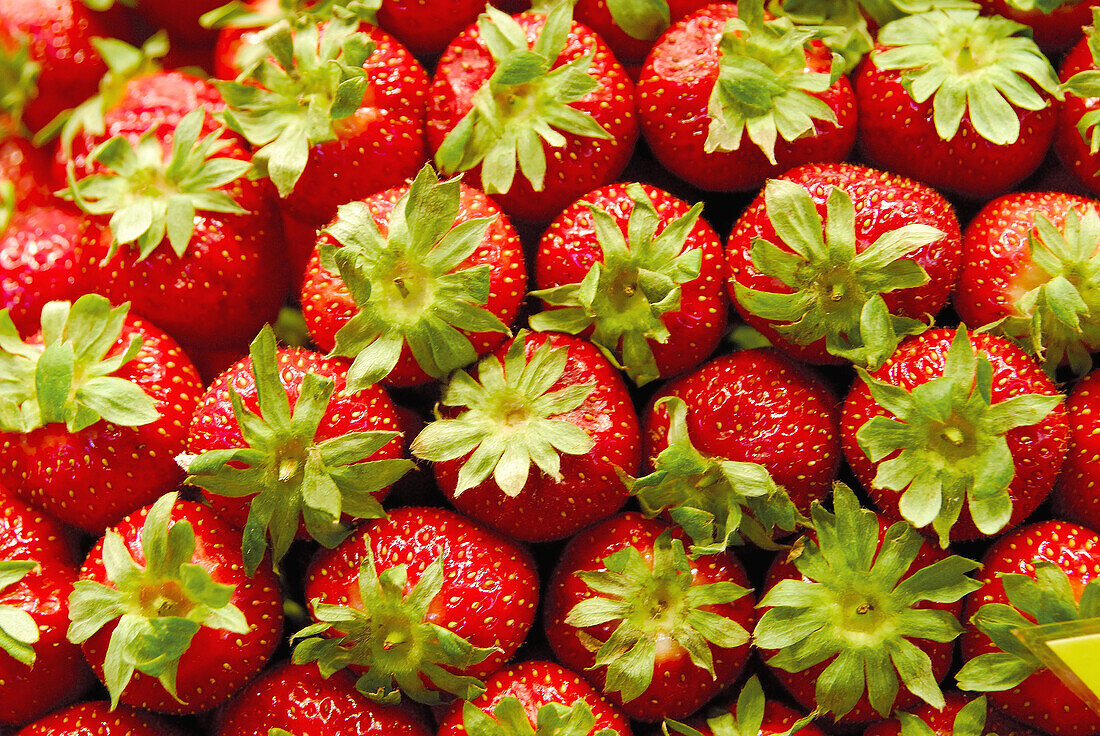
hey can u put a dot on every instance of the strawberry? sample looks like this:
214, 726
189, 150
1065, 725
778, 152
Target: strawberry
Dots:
24, 174
427, 27
1039, 574
751, 714
165, 614
1055, 24
963, 432
860, 609
202, 236
539, 91
289, 697
98, 718
1075, 495
278, 443
656, 631
728, 98
332, 101
639, 273
631, 26
94, 412
39, 669
1029, 264
962, 715
971, 97
425, 603
1077, 136
414, 282
733, 443
537, 695
545, 399
835, 262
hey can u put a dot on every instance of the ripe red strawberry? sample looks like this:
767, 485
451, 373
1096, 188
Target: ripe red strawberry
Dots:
24, 173
733, 443
728, 98
335, 113
1028, 259
414, 282
1039, 574
539, 92
98, 718
963, 715
656, 631
40, 670
533, 441
959, 101
1077, 136
751, 714
203, 237
861, 618
630, 27
425, 603
536, 694
92, 448
298, 700
1055, 24
963, 432
639, 273
282, 448
835, 262
165, 614
1075, 496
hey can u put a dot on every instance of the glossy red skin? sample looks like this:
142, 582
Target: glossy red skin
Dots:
300, 237
92, 478
427, 27
1075, 495
1055, 31
96, 718
883, 202
1072, 150
1041, 701
590, 488
941, 722
778, 719
297, 699
629, 50
967, 165
27, 169
327, 304
214, 425
569, 248
803, 685
758, 406
60, 33
997, 268
490, 588
59, 675
679, 687
217, 663
1002, 725
579, 166
1037, 450
42, 259
674, 88
535, 684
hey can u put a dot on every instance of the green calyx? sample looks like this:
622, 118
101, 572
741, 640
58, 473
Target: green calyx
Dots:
509, 718
625, 296
763, 87
717, 502
18, 82
149, 197
745, 720
524, 106
279, 732
1044, 599
68, 378
158, 608
18, 630
408, 285
391, 636
1087, 84
644, 20
1046, 7
971, 65
856, 609
510, 420
1059, 319
102, 5
289, 473
653, 605
969, 721
950, 442
124, 63
836, 293
293, 100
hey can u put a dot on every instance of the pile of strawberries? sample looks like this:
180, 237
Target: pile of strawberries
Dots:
596, 368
